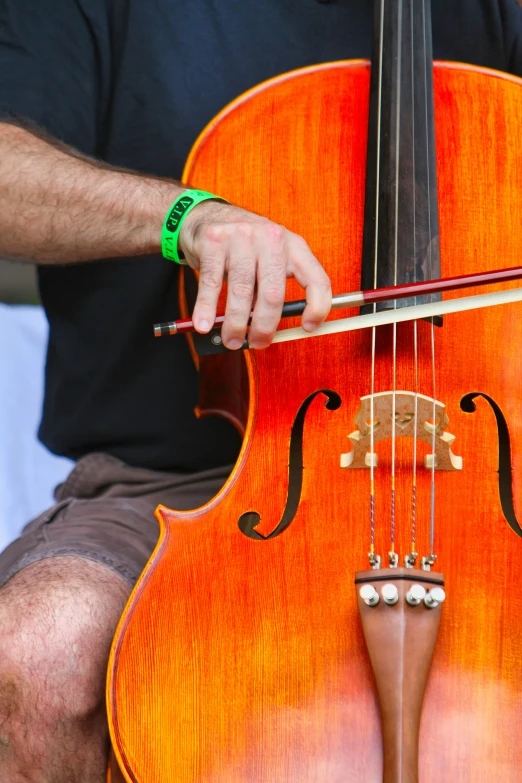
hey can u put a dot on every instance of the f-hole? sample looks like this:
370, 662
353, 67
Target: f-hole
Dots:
505, 471
248, 521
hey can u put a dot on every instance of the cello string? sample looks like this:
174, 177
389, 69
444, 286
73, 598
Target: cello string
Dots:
415, 414
372, 466
394, 433
395, 266
375, 265
433, 373
415, 334
434, 414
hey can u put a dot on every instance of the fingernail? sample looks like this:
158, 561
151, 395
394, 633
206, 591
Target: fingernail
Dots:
310, 325
234, 343
257, 345
204, 326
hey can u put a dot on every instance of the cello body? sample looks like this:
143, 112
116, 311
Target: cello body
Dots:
240, 657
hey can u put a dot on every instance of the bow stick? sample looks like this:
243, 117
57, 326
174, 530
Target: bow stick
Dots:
372, 296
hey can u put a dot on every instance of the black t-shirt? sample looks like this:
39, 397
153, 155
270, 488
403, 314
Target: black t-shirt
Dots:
134, 82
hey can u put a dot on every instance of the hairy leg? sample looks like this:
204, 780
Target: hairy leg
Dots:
57, 621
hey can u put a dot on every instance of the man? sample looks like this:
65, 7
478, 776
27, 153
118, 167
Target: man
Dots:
101, 101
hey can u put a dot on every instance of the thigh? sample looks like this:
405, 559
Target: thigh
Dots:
57, 621
105, 514
108, 531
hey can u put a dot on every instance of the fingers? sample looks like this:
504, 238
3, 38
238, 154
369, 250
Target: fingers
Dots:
276, 255
256, 256
309, 273
211, 274
271, 286
241, 279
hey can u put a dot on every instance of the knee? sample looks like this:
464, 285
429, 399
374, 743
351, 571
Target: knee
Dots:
55, 641
50, 672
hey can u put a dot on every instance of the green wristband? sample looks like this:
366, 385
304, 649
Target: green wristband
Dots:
174, 220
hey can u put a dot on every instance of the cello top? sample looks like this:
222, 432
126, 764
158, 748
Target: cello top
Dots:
268, 677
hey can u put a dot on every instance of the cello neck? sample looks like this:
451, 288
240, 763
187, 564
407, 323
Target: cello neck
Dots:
401, 213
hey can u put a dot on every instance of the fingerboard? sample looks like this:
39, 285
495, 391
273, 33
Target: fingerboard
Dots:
401, 226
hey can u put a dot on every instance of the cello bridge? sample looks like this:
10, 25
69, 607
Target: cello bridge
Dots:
429, 419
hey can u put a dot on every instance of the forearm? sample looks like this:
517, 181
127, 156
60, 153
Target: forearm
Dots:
58, 207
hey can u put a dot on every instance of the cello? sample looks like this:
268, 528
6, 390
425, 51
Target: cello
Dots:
345, 609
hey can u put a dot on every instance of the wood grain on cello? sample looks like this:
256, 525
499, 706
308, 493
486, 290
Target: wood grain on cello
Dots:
241, 656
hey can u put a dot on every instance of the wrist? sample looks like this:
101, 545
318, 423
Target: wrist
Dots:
197, 217
172, 247
155, 211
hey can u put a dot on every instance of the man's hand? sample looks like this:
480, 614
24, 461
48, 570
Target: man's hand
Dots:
58, 207
255, 256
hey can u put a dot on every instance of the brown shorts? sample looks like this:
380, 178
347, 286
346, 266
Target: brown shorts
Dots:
105, 512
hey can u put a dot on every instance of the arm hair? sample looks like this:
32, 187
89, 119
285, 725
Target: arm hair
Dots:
58, 206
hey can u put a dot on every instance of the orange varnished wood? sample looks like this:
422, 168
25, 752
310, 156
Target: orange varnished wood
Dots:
114, 773
243, 661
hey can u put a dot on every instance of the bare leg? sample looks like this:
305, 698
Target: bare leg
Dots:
57, 621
